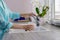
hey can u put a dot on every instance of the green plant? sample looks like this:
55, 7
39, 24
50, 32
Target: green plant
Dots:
44, 11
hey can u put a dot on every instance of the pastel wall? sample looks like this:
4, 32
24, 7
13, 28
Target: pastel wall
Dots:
22, 6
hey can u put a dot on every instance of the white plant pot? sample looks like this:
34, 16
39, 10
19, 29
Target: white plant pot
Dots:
42, 21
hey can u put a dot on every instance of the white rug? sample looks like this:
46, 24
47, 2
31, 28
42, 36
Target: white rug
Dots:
38, 34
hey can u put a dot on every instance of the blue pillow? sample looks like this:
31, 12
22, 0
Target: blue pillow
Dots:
21, 18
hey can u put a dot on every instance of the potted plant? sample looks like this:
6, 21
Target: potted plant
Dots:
41, 14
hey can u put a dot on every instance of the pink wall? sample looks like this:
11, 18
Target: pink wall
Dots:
21, 6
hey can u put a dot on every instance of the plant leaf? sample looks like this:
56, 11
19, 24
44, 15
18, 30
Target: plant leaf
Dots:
37, 10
